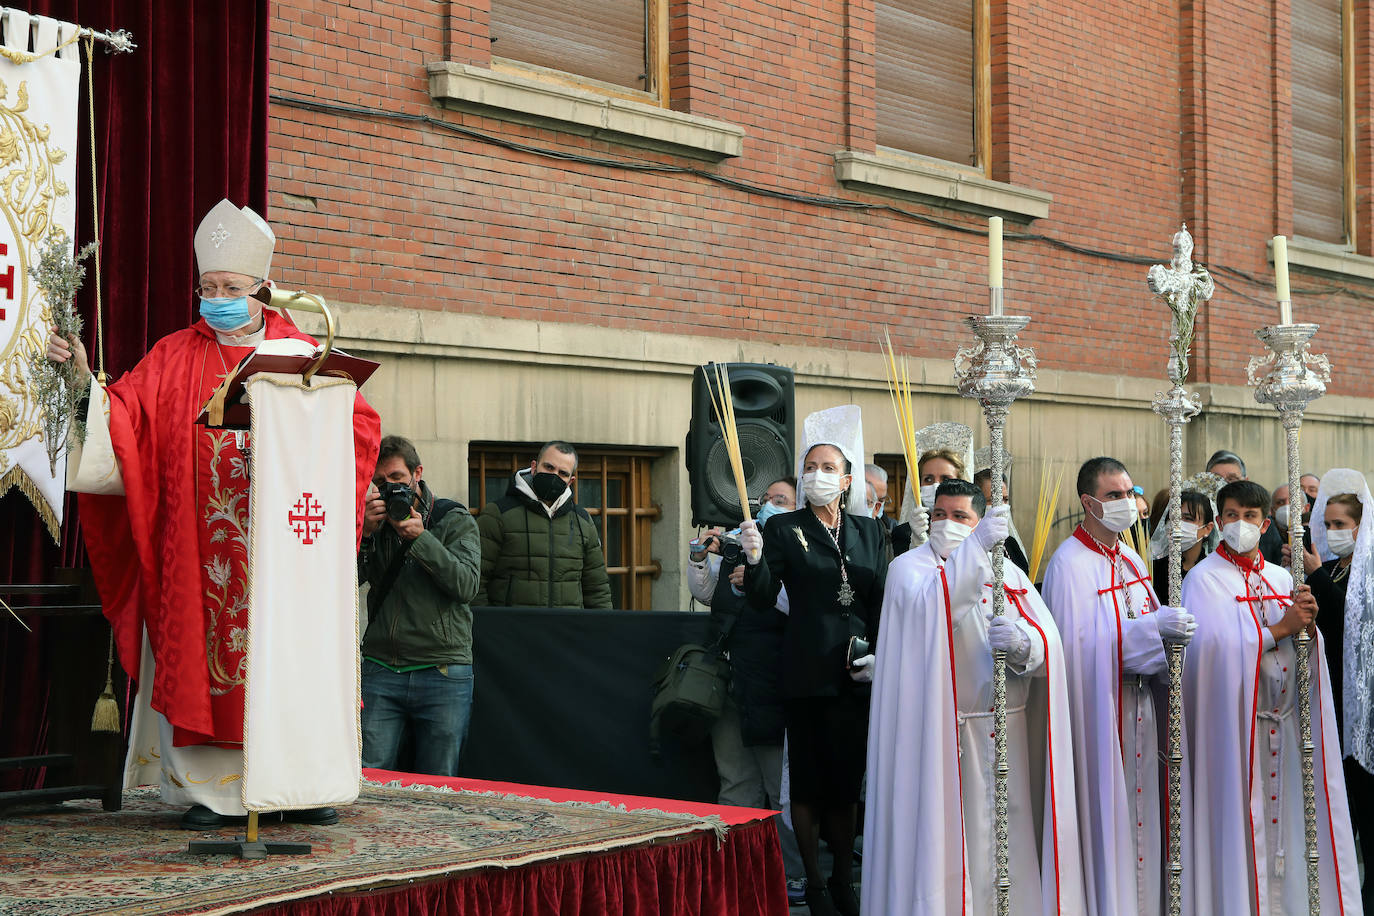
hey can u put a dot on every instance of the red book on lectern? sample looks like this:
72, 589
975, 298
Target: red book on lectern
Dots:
288, 356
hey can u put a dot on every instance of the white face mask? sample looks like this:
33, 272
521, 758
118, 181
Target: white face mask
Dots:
947, 534
1281, 516
822, 488
1341, 541
1241, 536
1118, 514
1189, 532
928, 495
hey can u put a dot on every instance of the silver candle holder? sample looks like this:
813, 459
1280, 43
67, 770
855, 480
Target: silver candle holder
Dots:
1184, 287
996, 372
1296, 378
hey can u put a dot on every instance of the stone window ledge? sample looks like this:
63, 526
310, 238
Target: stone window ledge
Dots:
928, 181
1325, 257
529, 101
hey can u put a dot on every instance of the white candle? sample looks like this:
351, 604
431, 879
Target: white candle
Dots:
995, 252
1281, 290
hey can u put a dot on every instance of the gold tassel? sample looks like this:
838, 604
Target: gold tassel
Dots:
105, 718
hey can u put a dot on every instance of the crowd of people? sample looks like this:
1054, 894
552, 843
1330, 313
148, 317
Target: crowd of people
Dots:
861, 645
167, 531
900, 728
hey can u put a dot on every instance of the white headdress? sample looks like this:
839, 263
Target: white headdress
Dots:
1206, 483
982, 461
1358, 642
843, 428
956, 437
234, 239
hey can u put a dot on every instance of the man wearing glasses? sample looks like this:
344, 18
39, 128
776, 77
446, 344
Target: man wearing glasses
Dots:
166, 521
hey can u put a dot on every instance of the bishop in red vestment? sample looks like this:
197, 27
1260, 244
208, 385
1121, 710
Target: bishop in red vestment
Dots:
170, 555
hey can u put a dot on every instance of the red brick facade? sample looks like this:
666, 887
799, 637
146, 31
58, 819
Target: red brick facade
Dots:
1133, 116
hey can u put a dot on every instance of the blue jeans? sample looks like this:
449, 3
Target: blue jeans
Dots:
434, 703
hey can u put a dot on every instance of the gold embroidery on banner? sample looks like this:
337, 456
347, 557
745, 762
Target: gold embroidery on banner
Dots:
172, 778
30, 193
226, 569
235, 777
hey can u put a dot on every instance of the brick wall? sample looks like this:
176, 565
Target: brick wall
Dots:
1133, 119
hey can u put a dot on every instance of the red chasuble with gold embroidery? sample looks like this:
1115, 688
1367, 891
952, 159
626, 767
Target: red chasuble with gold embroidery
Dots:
171, 554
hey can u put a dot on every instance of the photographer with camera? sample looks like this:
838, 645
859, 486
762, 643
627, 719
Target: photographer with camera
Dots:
422, 558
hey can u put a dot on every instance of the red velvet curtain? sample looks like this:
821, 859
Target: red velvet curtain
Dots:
180, 123
692, 877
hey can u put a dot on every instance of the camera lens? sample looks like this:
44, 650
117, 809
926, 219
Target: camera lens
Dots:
399, 498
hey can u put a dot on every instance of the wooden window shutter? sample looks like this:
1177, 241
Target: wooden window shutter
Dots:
925, 63
1318, 122
599, 39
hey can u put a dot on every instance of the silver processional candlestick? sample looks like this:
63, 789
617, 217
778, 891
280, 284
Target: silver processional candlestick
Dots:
1295, 379
996, 372
1184, 287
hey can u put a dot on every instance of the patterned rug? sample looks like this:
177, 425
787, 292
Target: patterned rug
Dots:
78, 859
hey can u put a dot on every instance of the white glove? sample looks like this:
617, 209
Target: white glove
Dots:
1008, 637
1176, 625
920, 526
993, 527
864, 668
751, 541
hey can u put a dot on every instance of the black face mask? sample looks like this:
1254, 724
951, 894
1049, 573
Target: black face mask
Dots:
547, 487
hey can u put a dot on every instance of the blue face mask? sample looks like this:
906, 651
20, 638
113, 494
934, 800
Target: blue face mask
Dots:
225, 314
767, 511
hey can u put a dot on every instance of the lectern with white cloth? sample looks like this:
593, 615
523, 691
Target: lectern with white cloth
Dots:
301, 741
301, 736
301, 731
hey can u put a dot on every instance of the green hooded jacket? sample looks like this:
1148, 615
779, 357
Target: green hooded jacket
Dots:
532, 559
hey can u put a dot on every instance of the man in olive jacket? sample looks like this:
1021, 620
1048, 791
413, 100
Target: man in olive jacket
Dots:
539, 548
417, 651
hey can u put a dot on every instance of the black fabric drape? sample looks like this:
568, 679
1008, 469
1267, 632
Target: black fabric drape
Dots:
180, 123
561, 698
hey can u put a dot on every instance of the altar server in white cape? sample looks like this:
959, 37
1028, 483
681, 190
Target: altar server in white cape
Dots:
1099, 591
929, 839
1240, 699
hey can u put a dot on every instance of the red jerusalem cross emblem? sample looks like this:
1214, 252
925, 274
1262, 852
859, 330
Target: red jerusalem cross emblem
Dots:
306, 518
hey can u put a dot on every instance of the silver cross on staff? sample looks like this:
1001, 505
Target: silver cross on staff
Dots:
1184, 286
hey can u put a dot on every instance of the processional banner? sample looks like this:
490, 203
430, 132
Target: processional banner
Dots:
39, 96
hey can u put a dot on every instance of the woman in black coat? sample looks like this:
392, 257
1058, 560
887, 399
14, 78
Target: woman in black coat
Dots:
833, 565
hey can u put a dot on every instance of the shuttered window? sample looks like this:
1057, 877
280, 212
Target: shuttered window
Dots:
603, 40
1319, 200
926, 69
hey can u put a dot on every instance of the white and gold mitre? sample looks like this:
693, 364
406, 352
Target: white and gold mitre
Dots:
234, 239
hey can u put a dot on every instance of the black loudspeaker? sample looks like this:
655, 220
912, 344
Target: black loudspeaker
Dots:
764, 419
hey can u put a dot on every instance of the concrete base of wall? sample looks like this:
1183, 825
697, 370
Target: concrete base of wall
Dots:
448, 379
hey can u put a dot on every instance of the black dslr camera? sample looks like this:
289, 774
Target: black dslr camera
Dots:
399, 499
